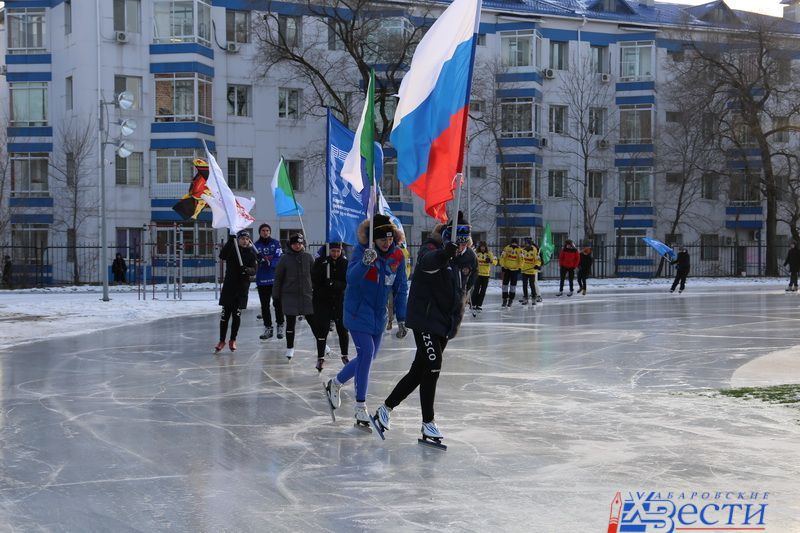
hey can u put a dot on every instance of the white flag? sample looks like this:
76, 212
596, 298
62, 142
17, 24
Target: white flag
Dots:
228, 211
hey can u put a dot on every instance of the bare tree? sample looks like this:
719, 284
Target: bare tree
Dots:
746, 75
75, 184
5, 182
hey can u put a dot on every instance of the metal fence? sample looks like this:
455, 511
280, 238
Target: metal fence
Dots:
173, 262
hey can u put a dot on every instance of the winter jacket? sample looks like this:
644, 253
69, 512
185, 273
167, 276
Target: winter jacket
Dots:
793, 259
585, 266
682, 261
569, 258
368, 287
530, 263
236, 284
486, 260
292, 285
269, 254
440, 289
329, 280
510, 258
118, 267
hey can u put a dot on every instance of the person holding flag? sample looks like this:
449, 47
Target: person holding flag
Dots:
236, 285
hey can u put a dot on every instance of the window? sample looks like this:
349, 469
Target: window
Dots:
129, 241
781, 136
516, 117
132, 84
597, 121
630, 242
599, 59
481, 39
28, 174
197, 238
477, 172
175, 166
477, 106
783, 68
28, 103
708, 124
289, 103
183, 97
558, 119
286, 233
635, 186
26, 30
127, 16
68, 93
559, 55
743, 134
387, 38
595, 184
744, 190
674, 178
709, 247
636, 124
709, 186
673, 239
516, 183
239, 100
335, 41
182, 21
28, 242
391, 187
240, 174
557, 186
673, 116
130, 170
290, 30
559, 238
517, 48
67, 17
237, 26
636, 60
295, 170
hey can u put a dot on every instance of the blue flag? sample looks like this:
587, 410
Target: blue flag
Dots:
346, 208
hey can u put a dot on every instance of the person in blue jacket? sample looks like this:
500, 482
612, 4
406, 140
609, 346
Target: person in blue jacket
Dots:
376, 268
268, 251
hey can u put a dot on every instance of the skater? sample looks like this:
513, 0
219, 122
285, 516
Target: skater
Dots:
235, 286
584, 269
793, 261
7, 270
376, 269
390, 305
536, 272
445, 272
510, 263
329, 279
118, 268
568, 260
292, 287
486, 260
529, 265
682, 270
269, 253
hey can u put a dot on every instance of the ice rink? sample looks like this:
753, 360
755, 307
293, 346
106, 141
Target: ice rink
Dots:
547, 412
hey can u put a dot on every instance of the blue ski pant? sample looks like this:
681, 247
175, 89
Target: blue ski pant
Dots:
366, 348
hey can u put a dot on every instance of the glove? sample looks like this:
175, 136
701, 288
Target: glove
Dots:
450, 249
401, 330
369, 257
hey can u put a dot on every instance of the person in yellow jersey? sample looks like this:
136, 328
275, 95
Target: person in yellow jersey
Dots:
530, 264
510, 262
486, 260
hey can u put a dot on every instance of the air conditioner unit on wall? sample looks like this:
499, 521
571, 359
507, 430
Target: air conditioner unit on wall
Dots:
543, 142
232, 48
549, 73
603, 144
3, 70
121, 37
605, 78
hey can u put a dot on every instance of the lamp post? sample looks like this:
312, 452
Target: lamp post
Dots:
123, 101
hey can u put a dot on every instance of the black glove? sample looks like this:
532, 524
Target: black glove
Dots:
450, 249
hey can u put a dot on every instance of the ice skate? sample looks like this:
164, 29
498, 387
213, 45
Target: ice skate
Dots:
267, 333
431, 436
569, 293
362, 417
289, 353
389, 326
671, 291
584, 292
219, 346
232, 345
381, 421
680, 291
538, 299
560, 293
258, 316
320, 363
280, 331
332, 395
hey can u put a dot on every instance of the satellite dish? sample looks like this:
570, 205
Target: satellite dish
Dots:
124, 149
125, 100
127, 127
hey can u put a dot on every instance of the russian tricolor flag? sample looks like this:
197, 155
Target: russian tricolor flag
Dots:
431, 118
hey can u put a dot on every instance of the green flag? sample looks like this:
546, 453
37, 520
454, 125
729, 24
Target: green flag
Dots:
547, 247
359, 165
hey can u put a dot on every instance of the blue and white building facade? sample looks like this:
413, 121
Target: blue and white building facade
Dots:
190, 67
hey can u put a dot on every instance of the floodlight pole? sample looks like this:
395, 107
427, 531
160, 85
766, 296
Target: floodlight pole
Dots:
103, 250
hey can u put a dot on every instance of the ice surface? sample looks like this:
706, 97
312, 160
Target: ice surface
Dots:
547, 412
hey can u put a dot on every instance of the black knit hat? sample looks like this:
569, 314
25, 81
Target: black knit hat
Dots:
382, 227
335, 245
297, 238
243, 233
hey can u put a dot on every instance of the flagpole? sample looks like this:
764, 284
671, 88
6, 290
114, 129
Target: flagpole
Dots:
211, 174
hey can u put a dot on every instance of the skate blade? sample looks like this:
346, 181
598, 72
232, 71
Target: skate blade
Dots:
377, 427
433, 444
328, 401
362, 427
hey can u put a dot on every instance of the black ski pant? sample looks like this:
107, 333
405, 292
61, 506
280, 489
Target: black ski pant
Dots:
527, 281
479, 291
566, 273
509, 284
265, 295
680, 277
323, 314
424, 373
225, 317
792, 279
291, 323
582, 277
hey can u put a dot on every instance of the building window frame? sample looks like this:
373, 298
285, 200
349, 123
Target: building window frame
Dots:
636, 61
28, 101
516, 117
237, 26
595, 182
518, 49
630, 243
558, 117
129, 170
128, 16
239, 98
557, 183
26, 30
635, 186
174, 23
289, 100
240, 173
29, 174
175, 165
636, 124
174, 89
559, 55
517, 183
132, 84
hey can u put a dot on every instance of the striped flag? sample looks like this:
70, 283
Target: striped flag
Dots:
285, 203
363, 149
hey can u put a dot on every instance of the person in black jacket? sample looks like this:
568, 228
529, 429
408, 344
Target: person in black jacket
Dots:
682, 261
328, 280
584, 269
444, 274
118, 267
235, 286
793, 261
